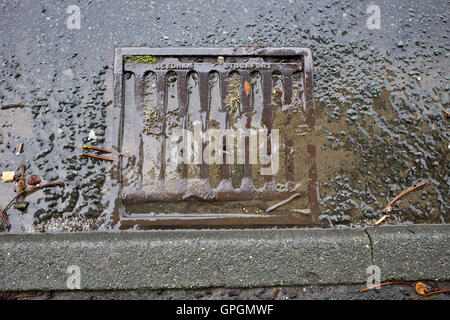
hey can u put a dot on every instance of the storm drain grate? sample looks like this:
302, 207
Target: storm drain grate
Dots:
215, 136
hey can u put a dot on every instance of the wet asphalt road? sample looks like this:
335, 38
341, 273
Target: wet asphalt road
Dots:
379, 96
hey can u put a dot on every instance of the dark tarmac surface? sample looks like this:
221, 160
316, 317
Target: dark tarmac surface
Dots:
380, 96
341, 292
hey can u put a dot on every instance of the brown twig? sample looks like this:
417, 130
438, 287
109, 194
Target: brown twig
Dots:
282, 203
432, 292
435, 287
26, 191
385, 284
97, 157
22, 181
4, 219
402, 194
446, 112
32, 189
437, 290
14, 105
103, 150
24, 296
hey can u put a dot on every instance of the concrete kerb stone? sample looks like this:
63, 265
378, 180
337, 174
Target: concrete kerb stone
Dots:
189, 259
411, 252
226, 258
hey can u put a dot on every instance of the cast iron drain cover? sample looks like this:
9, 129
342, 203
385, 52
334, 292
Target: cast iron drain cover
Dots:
215, 136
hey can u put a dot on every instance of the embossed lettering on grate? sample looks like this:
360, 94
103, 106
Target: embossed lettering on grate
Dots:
160, 91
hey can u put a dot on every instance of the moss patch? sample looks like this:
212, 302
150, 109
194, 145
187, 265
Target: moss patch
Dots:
140, 59
150, 120
233, 98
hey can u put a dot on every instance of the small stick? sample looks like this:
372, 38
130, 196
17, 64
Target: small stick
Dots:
97, 157
29, 190
380, 220
402, 194
9, 106
25, 296
446, 112
103, 150
385, 284
19, 149
32, 189
305, 212
433, 292
22, 167
432, 285
4, 219
282, 203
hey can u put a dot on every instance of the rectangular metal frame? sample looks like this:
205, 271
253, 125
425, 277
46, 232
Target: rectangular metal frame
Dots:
218, 220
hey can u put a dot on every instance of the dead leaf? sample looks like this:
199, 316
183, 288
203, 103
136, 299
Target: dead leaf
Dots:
421, 288
247, 88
